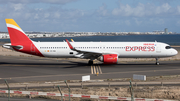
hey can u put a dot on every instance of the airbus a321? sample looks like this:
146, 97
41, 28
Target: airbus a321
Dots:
106, 52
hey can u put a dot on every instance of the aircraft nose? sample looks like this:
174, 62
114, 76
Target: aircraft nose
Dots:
175, 52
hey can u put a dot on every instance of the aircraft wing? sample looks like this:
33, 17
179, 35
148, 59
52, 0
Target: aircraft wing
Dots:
88, 53
81, 51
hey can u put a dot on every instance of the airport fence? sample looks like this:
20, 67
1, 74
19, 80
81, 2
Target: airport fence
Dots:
52, 94
105, 90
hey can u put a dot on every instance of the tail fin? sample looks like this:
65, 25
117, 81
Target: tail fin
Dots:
17, 35
72, 40
19, 41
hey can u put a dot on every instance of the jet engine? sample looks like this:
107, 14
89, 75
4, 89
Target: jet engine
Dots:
109, 58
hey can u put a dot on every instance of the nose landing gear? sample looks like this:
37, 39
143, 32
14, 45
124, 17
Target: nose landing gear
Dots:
157, 63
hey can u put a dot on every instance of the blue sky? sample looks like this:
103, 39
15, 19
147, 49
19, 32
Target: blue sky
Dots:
92, 15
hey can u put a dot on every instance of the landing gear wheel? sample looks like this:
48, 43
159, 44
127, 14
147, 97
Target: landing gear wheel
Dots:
157, 63
90, 62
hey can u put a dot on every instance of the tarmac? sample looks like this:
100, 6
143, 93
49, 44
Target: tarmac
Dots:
28, 69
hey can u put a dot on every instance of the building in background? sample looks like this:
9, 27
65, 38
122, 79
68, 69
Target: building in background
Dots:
165, 31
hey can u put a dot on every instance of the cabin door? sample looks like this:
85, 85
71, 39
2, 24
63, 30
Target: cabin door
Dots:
158, 48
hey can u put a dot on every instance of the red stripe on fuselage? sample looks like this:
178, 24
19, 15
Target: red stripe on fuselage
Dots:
19, 38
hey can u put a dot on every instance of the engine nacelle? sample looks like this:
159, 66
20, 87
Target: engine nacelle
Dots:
109, 58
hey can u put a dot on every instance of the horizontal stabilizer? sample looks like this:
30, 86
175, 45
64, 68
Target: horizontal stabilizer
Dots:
9, 46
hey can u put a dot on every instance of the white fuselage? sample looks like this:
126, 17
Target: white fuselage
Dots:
123, 49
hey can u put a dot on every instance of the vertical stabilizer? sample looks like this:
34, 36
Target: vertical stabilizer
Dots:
19, 41
17, 35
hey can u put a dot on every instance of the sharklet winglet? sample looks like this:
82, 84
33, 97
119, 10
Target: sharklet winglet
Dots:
70, 46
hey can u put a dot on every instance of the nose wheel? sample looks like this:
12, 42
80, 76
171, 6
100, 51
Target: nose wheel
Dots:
157, 63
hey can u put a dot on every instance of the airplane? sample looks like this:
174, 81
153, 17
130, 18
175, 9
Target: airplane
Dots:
106, 52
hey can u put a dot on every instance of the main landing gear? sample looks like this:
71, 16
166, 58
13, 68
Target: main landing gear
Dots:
90, 62
157, 63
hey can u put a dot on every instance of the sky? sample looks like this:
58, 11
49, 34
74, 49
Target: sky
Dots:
92, 15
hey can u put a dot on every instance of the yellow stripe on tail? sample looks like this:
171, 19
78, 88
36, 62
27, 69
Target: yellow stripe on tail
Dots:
12, 22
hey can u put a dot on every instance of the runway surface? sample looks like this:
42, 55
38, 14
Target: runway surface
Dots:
25, 69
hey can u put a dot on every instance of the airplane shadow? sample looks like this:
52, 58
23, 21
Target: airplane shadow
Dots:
51, 65
73, 64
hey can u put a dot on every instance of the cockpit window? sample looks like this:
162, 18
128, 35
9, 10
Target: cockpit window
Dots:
168, 47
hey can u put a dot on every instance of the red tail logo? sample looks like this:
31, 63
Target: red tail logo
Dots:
19, 39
